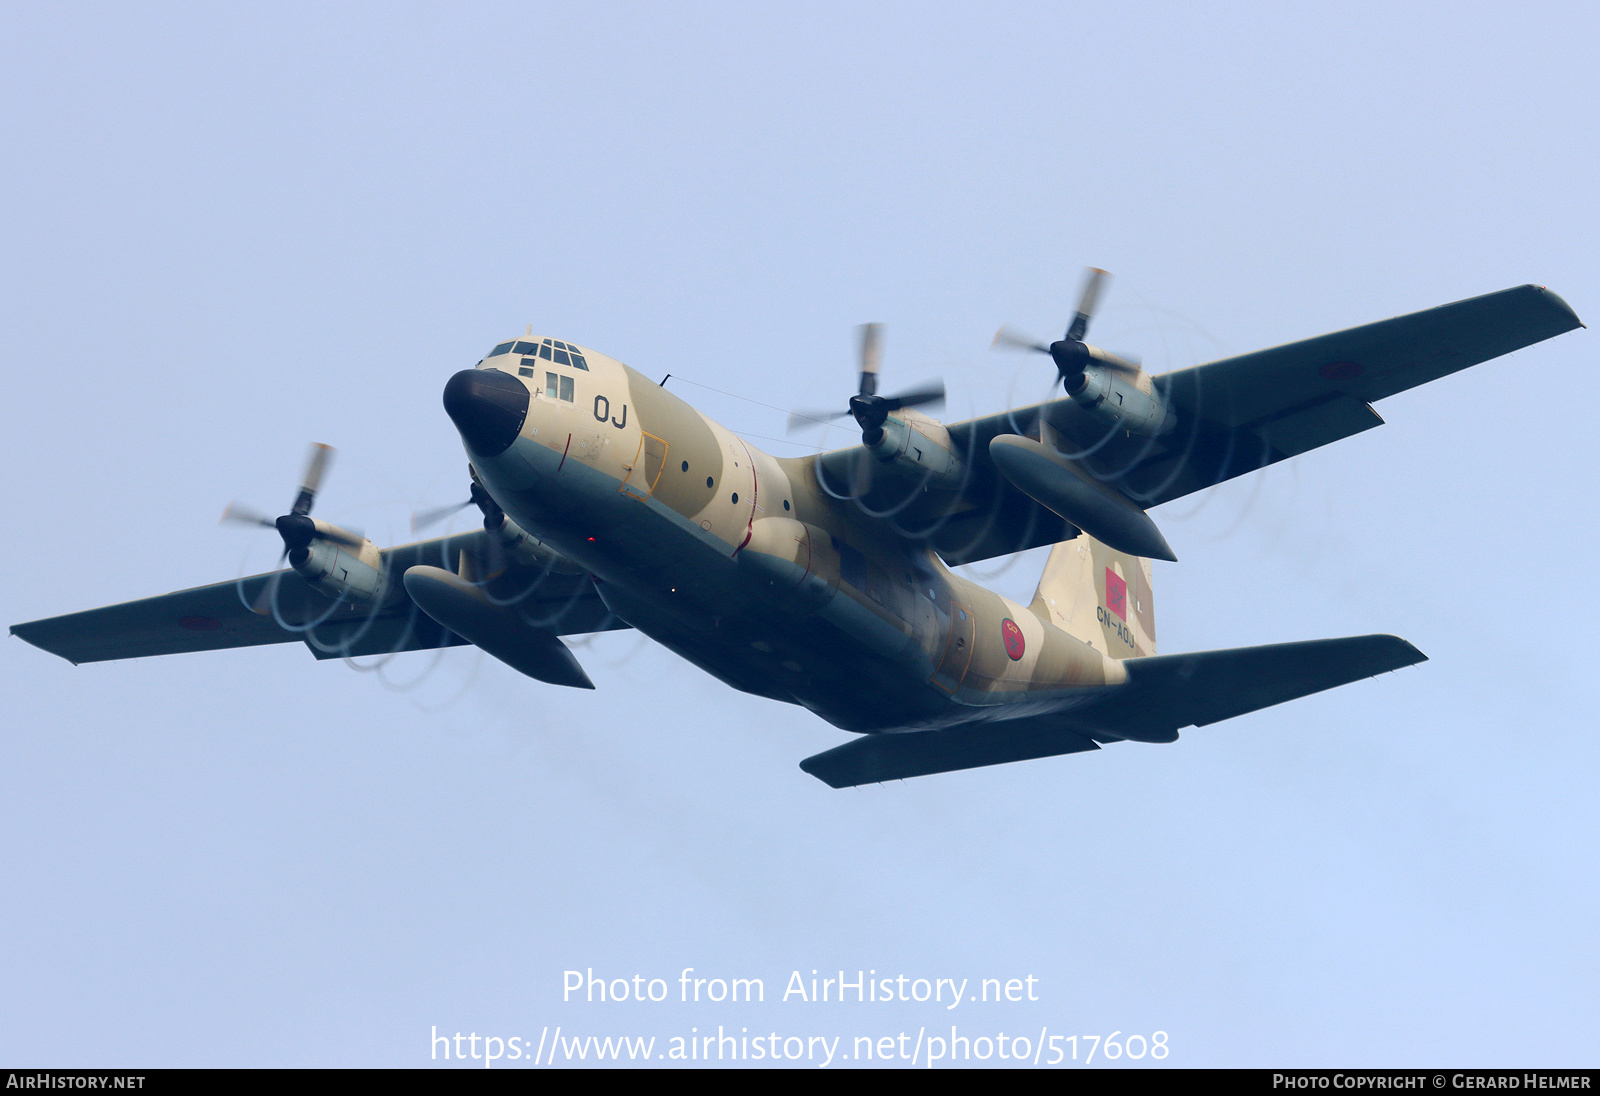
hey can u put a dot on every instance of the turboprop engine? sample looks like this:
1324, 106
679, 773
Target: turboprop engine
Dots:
1113, 389
1119, 394
525, 548
339, 563
919, 450
506, 539
911, 444
1121, 399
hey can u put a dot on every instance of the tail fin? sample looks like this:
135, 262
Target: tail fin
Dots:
1098, 595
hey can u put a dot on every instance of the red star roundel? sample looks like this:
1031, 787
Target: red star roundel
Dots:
1012, 635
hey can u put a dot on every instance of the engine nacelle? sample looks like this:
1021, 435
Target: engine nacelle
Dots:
529, 551
1127, 402
920, 450
350, 574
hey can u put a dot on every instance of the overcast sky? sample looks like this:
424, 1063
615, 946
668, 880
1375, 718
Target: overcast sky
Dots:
232, 230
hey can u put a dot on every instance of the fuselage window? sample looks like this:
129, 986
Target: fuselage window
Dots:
558, 387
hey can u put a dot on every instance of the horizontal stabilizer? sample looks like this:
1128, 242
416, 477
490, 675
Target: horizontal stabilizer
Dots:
875, 758
1166, 692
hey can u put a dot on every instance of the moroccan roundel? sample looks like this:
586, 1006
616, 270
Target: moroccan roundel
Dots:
1012, 635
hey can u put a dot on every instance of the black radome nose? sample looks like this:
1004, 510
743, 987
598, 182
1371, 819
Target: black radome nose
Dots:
488, 408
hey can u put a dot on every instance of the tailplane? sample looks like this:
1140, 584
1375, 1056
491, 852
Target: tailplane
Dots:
1162, 694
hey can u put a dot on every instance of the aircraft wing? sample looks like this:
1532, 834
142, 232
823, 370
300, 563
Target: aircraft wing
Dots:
218, 616
1255, 409
1233, 416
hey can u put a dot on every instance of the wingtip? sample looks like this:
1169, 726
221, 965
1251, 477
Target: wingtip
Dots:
1560, 304
1405, 649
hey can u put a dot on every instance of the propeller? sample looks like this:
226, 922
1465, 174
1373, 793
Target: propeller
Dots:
1071, 354
296, 528
422, 519
493, 519
869, 409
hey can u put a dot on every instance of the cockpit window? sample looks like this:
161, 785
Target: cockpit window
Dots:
551, 350
563, 354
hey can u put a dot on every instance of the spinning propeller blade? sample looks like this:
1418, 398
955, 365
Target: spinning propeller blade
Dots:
869, 409
1087, 300
1071, 354
421, 519
296, 528
239, 514
871, 357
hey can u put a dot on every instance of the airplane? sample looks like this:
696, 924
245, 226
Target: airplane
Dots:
825, 580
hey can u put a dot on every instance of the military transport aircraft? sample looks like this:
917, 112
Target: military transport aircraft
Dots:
824, 581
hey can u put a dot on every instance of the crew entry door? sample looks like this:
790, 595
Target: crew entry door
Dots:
648, 464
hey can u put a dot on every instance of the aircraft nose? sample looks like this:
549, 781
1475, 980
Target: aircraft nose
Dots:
488, 408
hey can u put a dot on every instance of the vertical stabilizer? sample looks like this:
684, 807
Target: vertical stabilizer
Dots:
1100, 596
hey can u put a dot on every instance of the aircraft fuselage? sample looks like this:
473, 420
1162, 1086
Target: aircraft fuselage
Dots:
741, 563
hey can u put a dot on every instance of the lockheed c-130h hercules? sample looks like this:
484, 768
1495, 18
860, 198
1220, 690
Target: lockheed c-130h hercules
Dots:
824, 581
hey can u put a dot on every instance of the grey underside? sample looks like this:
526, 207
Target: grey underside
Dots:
1234, 415
219, 616
1162, 694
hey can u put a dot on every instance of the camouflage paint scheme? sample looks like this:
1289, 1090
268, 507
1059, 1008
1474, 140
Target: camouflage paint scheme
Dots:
629, 508
763, 579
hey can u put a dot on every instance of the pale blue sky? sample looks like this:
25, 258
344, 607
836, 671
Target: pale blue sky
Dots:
232, 231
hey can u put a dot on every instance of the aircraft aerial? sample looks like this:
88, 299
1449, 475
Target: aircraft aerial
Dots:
825, 581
